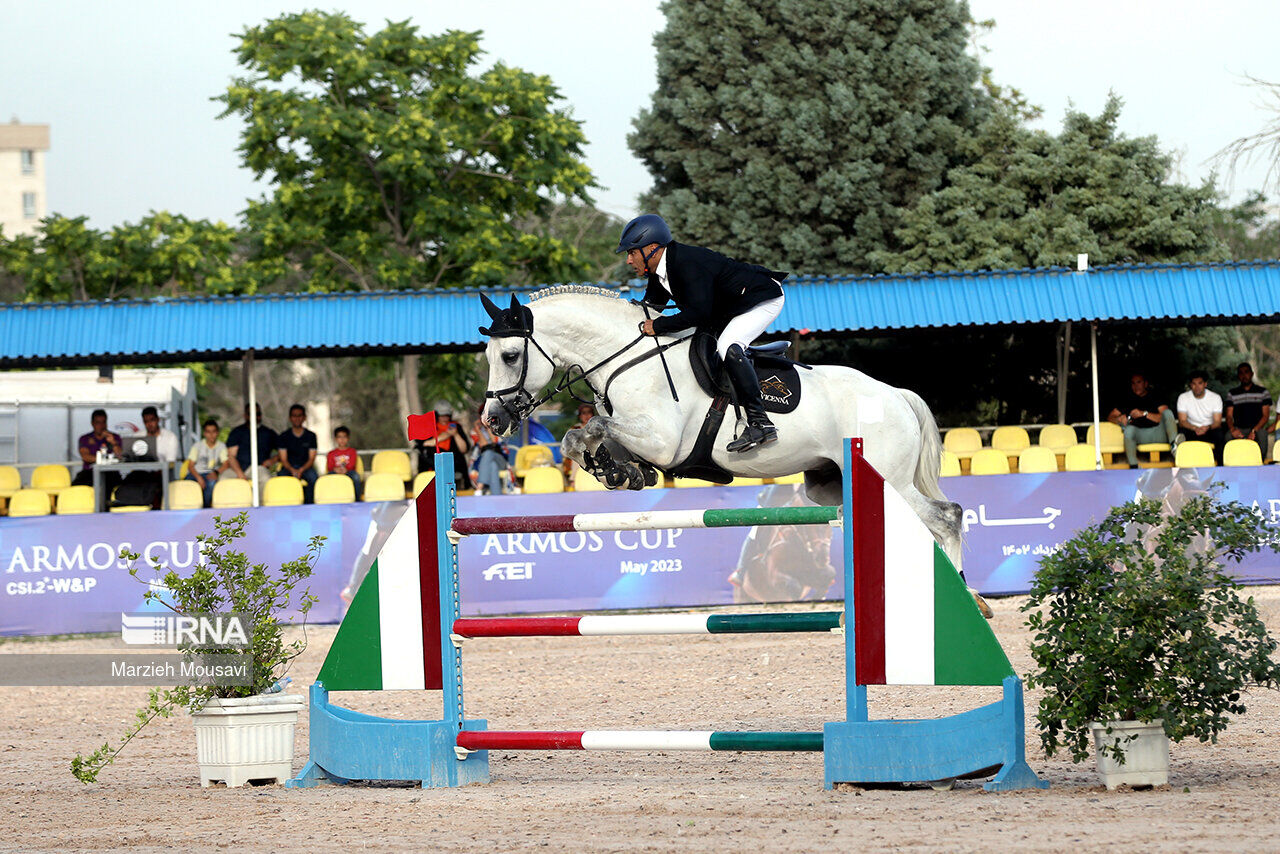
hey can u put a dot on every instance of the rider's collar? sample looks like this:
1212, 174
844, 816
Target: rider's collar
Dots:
514, 321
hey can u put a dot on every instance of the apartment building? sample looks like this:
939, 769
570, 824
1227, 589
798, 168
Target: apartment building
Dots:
22, 178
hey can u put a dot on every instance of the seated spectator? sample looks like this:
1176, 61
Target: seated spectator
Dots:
98, 439
238, 448
449, 438
208, 460
585, 413
1200, 414
161, 443
490, 458
298, 451
1248, 409
342, 459
1143, 418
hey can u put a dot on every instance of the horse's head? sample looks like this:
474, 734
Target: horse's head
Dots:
516, 373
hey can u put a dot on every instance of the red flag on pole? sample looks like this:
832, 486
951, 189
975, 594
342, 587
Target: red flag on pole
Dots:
422, 426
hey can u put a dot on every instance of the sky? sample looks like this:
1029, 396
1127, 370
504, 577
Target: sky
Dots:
126, 86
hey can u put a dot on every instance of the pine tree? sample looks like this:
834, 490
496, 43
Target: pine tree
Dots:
789, 132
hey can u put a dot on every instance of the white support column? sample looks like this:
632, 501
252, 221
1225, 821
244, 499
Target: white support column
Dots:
1097, 425
253, 424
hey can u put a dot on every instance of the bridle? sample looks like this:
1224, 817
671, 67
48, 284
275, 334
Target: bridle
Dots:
519, 404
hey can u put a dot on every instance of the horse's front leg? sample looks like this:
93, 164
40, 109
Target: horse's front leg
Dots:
624, 450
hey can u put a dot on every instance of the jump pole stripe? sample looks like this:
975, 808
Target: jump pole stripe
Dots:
646, 521
639, 740
646, 624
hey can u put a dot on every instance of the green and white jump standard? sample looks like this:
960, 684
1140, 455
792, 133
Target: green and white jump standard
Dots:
910, 620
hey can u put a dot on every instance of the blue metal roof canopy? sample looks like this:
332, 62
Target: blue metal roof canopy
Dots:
355, 323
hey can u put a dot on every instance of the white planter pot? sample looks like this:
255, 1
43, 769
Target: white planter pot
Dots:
1146, 756
246, 738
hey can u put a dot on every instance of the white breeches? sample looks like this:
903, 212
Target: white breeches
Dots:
746, 327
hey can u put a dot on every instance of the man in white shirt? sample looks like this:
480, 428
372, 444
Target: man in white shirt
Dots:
166, 443
1200, 414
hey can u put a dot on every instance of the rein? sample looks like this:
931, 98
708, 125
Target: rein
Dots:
523, 404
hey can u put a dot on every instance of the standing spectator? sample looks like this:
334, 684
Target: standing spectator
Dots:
208, 460
450, 438
238, 448
343, 459
1143, 418
1248, 409
298, 451
491, 457
1200, 414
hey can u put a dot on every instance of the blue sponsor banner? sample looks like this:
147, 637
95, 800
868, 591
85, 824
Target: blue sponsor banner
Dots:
64, 574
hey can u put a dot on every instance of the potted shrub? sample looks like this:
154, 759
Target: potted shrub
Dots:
243, 733
1140, 635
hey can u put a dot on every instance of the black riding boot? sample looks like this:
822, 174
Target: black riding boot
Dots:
746, 387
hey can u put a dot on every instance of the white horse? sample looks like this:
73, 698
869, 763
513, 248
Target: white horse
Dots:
575, 328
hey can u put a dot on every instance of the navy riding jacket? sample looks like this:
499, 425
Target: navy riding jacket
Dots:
710, 289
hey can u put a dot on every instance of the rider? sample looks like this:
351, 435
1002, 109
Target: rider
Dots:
735, 301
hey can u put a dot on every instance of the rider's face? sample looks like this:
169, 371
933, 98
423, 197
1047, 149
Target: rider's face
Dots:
635, 259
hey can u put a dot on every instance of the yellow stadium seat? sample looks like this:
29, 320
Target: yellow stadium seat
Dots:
52, 479
10, 482
336, 489
76, 500
1112, 444
1153, 450
585, 481
125, 508
393, 462
29, 502
1037, 460
281, 491
532, 456
382, 486
1242, 452
1011, 440
1080, 457
232, 493
422, 481
1057, 437
950, 465
747, 481
964, 442
543, 479
1194, 454
798, 477
686, 482
185, 495
989, 461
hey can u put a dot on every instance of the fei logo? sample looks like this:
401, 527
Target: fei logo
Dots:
181, 630
515, 571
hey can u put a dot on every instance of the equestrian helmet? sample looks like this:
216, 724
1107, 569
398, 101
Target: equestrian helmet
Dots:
643, 230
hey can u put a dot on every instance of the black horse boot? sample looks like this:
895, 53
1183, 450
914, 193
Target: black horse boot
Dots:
746, 387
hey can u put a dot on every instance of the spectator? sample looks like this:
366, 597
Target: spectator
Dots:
161, 443
342, 459
450, 437
490, 458
585, 413
208, 460
1143, 418
298, 451
1248, 409
98, 439
238, 448
1200, 414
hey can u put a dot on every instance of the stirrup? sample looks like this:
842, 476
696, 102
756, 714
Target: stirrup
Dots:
753, 437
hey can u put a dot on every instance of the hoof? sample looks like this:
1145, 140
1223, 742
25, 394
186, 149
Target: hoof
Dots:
983, 607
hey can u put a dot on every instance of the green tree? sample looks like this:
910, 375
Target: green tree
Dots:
1026, 198
163, 253
790, 133
393, 165
1247, 229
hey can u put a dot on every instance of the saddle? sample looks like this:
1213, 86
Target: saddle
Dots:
779, 379
779, 388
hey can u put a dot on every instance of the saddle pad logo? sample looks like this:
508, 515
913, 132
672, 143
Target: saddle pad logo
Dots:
774, 390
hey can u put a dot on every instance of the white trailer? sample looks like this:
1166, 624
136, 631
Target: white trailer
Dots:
43, 414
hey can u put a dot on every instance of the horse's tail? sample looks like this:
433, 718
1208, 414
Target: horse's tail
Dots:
930, 462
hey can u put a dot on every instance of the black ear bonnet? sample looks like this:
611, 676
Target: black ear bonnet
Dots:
514, 321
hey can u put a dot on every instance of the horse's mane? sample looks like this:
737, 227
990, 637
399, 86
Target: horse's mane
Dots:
559, 290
